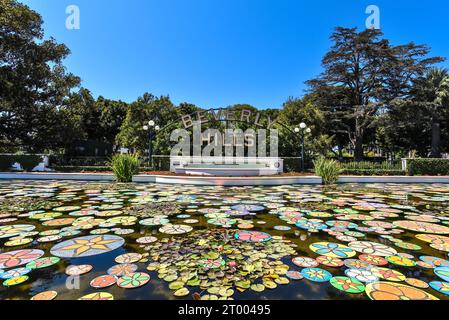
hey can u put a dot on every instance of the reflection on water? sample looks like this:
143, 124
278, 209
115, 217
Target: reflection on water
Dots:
146, 241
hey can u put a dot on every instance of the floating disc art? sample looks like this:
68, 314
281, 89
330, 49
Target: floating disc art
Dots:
371, 241
46, 295
103, 281
133, 280
316, 274
20, 257
349, 285
98, 296
175, 229
442, 272
372, 248
396, 291
87, 246
333, 250
14, 230
77, 270
425, 227
252, 236
305, 262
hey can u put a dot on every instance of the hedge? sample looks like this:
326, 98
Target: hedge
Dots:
28, 162
81, 168
433, 167
71, 169
373, 172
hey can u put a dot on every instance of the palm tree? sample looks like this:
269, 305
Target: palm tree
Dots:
432, 92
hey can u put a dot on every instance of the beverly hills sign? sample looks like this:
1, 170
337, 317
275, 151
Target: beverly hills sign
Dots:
214, 148
245, 116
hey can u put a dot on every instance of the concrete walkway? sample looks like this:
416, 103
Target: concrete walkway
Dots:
222, 181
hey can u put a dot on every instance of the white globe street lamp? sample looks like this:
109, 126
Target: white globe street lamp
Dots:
303, 130
151, 123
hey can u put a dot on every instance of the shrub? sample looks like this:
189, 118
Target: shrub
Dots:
373, 172
81, 168
125, 166
434, 167
368, 165
328, 170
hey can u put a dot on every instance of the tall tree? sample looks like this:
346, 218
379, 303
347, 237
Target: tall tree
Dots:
371, 73
432, 92
33, 81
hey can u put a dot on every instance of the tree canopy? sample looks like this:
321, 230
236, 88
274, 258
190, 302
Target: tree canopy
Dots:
370, 95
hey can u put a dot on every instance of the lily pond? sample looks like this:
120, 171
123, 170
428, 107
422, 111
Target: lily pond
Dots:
104, 241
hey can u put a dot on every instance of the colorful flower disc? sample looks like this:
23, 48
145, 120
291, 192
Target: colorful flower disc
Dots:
42, 262
18, 242
441, 287
248, 207
15, 281
122, 269
333, 250
14, 230
305, 262
87, 246
14, 273
401, 261
388, 274
417, 283
442, 272
357, 264
408, 246
46, 295
103, 281
154, 222
424, 227
128, 258
434, 261
372, 248
20, 257
346, 284
396, 291
252, 236
175, 229
294, 275
316, 274
373, 260
98, 296
77, 270
311, 225
67, 208
361, 275
146, 240
330, 261
133, 280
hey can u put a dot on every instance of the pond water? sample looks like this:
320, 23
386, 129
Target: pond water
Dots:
72, 240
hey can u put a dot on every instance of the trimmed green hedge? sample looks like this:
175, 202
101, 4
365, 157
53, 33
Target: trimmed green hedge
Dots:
70, 169
433, 167
373, 172
28, 162
81, 168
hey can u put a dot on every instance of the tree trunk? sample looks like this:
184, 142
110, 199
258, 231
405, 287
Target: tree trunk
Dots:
436, 139
358, 152
358, 143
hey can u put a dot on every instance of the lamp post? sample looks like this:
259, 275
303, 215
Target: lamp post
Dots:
151, 128
303, 129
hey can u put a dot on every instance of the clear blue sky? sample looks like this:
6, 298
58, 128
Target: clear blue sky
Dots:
215, 53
